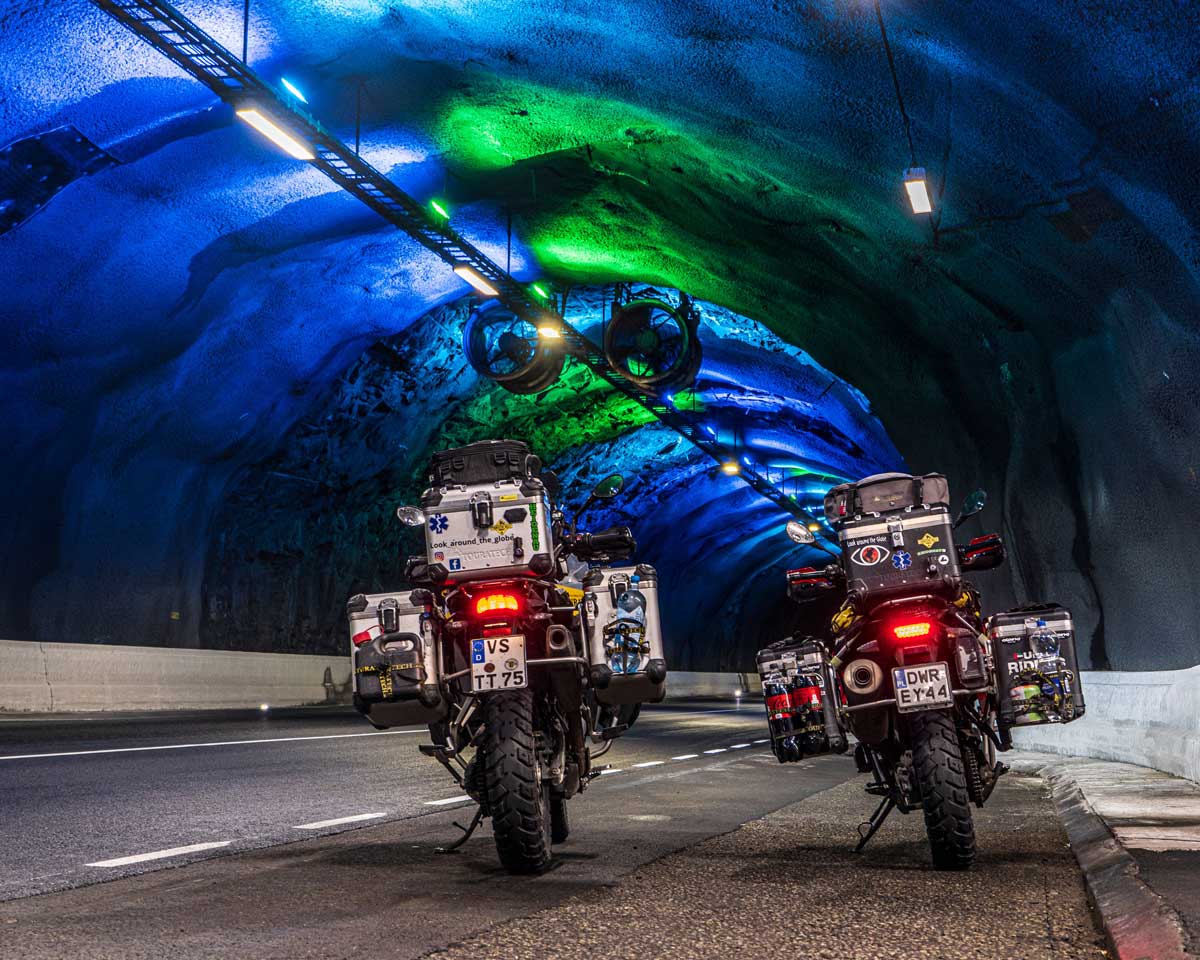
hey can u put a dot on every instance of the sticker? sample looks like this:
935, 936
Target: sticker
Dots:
502, 526
944, 559
455, 563
439, 556
511, 664
439, 522
477, 651
509, 496
902, 560
929, 540
534, 534
869, 555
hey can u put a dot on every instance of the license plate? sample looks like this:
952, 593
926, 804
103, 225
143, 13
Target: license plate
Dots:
924, 687
498, 663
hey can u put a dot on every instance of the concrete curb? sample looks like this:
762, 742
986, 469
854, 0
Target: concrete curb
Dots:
1138, 924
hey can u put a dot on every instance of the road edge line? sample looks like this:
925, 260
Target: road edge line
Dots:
1137, 923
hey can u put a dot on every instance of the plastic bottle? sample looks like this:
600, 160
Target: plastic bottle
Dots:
628, 630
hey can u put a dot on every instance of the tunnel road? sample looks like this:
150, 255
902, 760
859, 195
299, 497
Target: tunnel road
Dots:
301, 834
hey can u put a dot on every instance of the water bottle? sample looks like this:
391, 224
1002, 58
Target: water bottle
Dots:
1045, 644
628, 631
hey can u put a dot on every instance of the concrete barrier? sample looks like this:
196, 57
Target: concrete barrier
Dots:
1151, 719
79, 676
712, 686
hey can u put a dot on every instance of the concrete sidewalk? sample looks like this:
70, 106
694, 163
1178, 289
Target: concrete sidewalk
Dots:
1136, 835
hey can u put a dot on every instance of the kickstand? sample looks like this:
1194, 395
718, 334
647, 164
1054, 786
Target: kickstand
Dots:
467, 831
886, 806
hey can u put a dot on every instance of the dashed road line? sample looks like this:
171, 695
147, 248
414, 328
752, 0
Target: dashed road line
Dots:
160, 854
739, 746
611, 770
649, 763
718, 750
686, 756
448, 800
322, 824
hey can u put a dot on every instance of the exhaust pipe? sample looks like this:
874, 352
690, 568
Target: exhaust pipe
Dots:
862, 677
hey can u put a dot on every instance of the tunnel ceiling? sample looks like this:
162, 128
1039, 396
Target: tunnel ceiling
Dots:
173, 314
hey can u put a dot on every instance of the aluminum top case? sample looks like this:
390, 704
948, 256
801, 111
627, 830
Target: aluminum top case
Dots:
489, 530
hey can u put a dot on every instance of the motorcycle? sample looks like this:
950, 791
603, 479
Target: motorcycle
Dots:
908, 659
505, 654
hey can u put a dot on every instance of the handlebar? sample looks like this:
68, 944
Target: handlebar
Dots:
613, 542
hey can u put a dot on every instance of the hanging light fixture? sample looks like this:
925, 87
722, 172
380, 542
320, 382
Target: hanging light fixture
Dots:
731, 468
293, 89
475, 279
918, 190
276, 134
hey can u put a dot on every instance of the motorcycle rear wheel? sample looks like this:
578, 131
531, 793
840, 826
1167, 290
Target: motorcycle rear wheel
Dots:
942, 777
518, 800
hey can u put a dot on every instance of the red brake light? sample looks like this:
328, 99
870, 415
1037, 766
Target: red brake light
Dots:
906, 631
496, 603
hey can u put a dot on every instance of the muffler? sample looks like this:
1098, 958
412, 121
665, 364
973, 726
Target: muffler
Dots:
862, 677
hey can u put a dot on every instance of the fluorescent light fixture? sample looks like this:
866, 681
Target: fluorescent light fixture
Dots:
549, 332
293, 89
471, 275
731, 468
746, 461
540, 291
669, 399
276, 134
918, 191
710, 431
439, 210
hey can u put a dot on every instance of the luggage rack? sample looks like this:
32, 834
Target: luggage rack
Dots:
167, 30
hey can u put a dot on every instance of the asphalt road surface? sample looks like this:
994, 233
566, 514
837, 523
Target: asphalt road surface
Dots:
306, 834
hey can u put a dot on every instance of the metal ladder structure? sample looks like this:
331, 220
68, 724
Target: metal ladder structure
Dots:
185, 44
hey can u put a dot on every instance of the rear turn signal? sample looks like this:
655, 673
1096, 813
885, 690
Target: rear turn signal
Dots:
493, 602
906, 631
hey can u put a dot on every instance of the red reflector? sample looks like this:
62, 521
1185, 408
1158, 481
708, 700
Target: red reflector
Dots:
496, 602
906, 631
360, 638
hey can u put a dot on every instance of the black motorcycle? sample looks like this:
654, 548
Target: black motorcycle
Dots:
908, 660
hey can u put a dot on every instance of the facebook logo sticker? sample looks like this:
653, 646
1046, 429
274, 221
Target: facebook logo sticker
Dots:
477, 651
455, 563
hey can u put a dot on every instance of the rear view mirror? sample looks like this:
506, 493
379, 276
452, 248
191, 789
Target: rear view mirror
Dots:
609, 487
800, 533
972, 505
411, 516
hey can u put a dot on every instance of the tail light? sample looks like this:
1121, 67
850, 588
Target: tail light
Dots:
907, 631
496, 603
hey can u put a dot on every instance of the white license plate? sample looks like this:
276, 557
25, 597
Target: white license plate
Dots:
924, 687
498, 663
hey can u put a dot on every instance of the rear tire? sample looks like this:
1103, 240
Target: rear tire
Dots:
942, 777
560, 825
517, 799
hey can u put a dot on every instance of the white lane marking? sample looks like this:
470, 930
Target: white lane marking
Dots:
739, 746
321, 824
718, 750
756, 742
686, 756
215, 743
649, 763
442, 803
617, 770
159, 854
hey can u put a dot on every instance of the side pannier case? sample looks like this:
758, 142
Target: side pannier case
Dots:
393, 647
896, 534
801, 713
624, 634
487, 514
1037, 670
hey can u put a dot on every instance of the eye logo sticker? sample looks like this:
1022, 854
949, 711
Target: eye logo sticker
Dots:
902, 560
869, 555
439, 522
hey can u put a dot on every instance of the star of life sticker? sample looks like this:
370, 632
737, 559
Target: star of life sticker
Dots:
439, 522
901, 560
